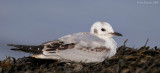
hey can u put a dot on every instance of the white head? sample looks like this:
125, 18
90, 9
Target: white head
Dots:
103, 30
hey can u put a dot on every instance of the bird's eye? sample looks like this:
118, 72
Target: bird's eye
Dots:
103, 29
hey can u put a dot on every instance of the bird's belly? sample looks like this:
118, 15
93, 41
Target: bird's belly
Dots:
82, 56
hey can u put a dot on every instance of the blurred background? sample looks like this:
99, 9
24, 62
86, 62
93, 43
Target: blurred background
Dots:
33, 22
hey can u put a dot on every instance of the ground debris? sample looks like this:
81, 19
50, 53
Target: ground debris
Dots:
126, 60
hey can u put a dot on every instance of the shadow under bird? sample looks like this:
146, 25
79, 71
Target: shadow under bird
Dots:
86, 47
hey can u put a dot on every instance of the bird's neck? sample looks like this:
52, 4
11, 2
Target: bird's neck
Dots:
105, 38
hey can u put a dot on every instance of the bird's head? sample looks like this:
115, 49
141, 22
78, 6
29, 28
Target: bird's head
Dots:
103, 30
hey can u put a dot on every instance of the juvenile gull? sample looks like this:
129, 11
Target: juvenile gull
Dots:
84, 47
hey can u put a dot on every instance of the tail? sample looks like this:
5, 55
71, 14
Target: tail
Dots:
28, 49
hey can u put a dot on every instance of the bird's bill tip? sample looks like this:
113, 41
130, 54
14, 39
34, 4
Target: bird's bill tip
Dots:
117, 34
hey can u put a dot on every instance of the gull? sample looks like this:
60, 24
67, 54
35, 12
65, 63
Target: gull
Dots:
86, 47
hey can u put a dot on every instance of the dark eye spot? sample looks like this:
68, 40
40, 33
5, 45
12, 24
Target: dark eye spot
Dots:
103, 29
95, 31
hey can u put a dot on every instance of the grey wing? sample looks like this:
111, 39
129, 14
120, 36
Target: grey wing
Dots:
83, 39
77, 40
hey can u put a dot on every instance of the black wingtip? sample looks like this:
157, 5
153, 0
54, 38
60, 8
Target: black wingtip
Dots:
15, 49
10, 45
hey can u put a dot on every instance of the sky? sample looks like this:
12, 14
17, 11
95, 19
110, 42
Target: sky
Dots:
32, 22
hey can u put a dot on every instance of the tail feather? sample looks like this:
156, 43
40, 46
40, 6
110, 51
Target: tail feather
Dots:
27, 48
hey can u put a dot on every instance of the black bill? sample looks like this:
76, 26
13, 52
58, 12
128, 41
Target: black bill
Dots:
116, 34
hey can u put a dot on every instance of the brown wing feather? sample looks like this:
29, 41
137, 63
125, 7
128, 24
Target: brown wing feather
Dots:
50, 47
